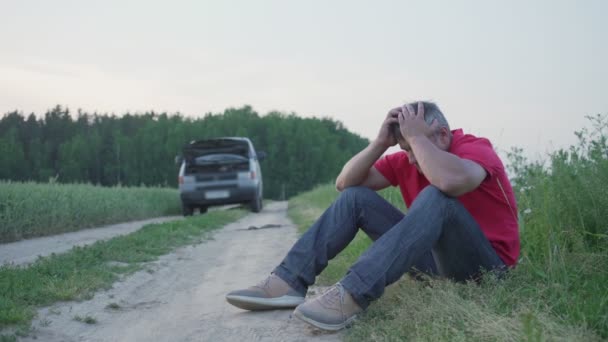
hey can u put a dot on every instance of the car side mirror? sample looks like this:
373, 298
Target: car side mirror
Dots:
178, 160
261, 155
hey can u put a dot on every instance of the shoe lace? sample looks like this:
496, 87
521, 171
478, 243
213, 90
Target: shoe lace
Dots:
264, 283
334, 297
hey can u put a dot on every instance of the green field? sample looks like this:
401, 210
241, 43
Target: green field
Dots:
80, 272
36, 209
559, 290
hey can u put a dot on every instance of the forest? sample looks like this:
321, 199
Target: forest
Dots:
140, 149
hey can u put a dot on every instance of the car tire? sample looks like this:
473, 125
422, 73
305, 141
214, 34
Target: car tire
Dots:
187, 209
202, 209
256, 205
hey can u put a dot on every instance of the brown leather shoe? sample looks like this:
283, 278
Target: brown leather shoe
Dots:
271, 293
333, 310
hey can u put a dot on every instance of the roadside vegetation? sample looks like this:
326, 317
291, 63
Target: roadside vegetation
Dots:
37, 209
79, 273
557, 292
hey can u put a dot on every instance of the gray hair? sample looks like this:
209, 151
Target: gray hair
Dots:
431, 113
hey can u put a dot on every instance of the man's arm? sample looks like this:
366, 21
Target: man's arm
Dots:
359, 169
449, 173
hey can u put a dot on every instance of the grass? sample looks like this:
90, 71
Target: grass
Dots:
557, 292
77, 274
35, 209
5, 338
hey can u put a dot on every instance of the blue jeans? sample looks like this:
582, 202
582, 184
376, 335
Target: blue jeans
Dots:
437, 236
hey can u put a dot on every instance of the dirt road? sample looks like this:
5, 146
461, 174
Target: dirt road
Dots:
27, 251
180, 297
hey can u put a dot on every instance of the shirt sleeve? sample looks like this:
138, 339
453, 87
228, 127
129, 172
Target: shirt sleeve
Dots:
385, 166
481, 152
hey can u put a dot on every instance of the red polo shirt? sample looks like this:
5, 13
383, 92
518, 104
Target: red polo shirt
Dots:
492, 204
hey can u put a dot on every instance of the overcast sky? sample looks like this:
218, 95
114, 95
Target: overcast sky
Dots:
522, 73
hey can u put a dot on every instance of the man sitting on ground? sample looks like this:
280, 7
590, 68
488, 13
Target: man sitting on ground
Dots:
461, 220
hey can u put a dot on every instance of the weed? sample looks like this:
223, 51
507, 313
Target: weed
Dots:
86, 319
113, 306
8, 338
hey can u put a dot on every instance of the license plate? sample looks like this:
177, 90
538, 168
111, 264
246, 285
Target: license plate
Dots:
217, 194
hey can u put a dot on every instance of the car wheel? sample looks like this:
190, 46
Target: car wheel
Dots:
202, 209
187, 209
256, 205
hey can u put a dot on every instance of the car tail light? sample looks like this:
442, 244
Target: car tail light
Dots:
180, 180
252, 174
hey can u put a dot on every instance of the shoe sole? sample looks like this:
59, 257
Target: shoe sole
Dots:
324, 326
257, 303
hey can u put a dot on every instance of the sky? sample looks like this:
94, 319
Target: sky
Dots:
521, 73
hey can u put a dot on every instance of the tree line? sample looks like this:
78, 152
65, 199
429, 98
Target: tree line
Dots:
140, 149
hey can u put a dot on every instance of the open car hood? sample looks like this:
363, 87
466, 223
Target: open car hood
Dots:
206, 147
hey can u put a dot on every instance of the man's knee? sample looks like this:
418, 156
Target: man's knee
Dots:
356, 196
435, 197
354, 192
432, 192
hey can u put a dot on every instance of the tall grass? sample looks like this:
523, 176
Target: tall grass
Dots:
34, 209
557, 292
564, 226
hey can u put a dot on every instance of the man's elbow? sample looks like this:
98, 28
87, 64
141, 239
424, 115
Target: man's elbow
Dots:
458, 184
455, 187
339, 185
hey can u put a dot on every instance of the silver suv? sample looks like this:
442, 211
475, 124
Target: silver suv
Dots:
220, 171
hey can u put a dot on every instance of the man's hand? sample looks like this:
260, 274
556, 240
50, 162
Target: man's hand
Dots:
411, 123
360, 170
385, 136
